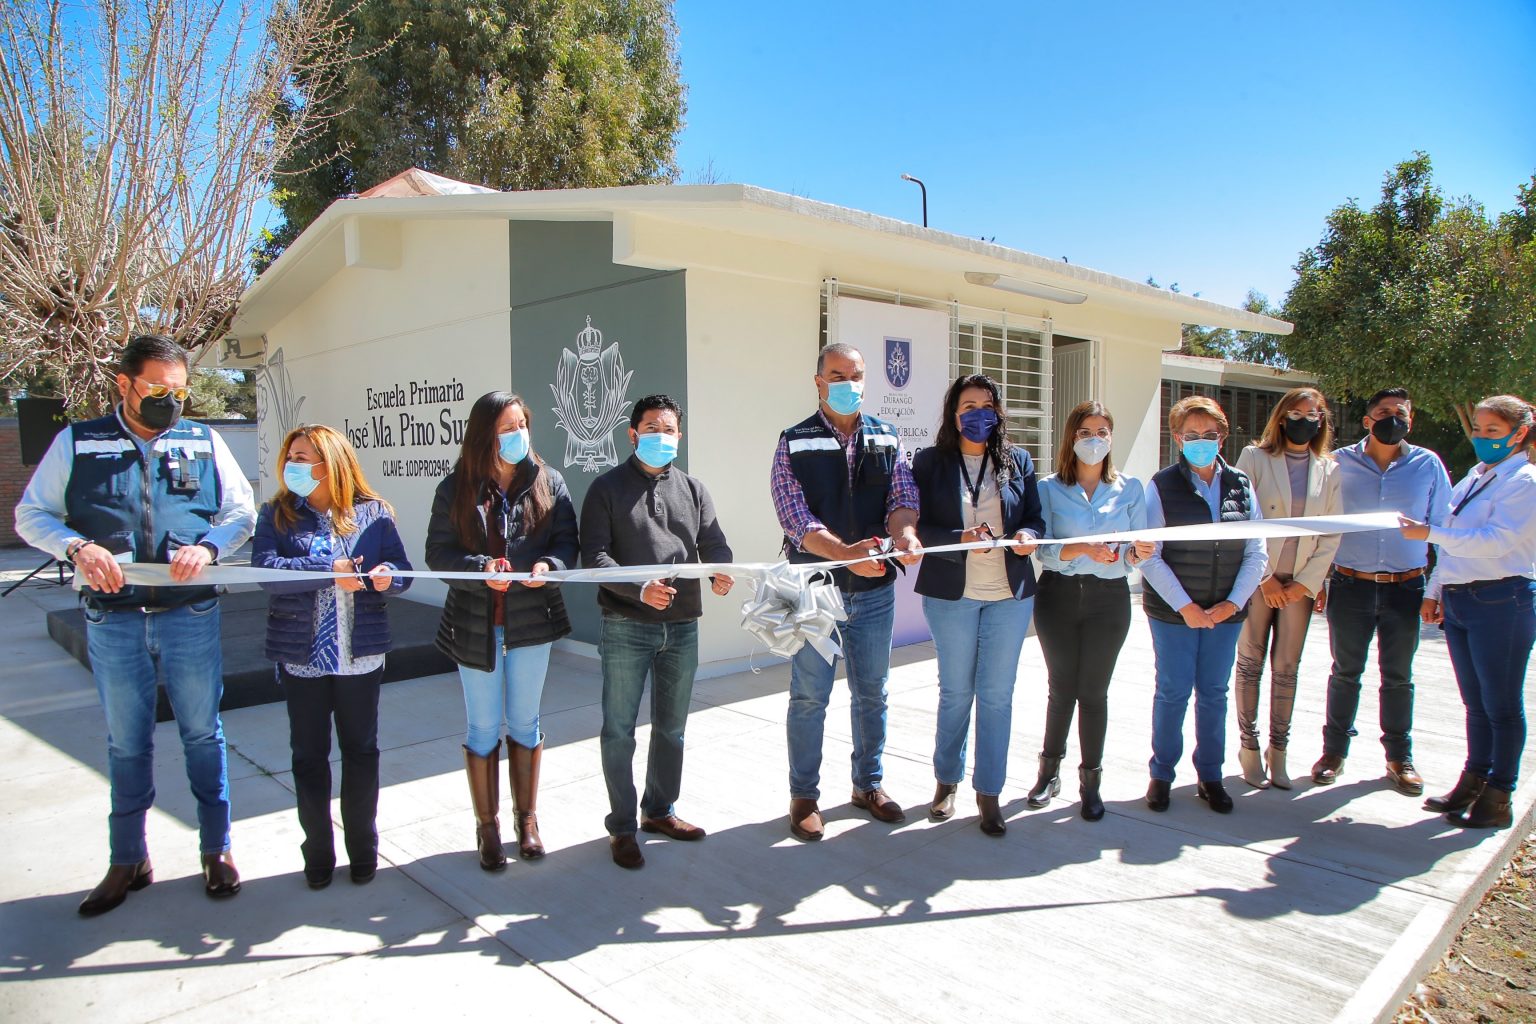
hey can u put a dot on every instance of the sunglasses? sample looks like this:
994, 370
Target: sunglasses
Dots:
161, 390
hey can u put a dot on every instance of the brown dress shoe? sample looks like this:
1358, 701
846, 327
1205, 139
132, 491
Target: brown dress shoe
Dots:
120, 880
879, 805
1405, 778
1327, 769
220, 879
943, 806
626, 852
673, 827
991, 822
805, 820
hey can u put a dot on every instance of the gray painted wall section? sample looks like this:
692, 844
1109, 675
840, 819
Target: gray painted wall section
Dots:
562, 274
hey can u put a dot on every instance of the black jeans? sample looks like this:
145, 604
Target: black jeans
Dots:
354, 702
1357, 610
1082, 621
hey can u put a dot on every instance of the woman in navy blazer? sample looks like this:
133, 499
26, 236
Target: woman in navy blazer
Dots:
974, 484
329, 637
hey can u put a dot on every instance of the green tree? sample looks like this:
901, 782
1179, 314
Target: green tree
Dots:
1225, 343
511, 94
1420, 292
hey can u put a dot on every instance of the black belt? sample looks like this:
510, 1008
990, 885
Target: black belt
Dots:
1484, 584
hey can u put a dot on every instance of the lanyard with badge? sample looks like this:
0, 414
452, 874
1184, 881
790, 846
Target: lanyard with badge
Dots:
974, 490
1479, 489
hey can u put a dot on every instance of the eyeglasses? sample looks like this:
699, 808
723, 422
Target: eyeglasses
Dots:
1297, 414
1083, 435
1209, 435
161, 390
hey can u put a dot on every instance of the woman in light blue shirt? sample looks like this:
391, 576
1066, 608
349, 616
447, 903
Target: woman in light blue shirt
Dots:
1483, 594
1083, 607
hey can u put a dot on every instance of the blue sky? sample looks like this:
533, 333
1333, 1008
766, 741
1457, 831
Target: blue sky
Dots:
1199, 143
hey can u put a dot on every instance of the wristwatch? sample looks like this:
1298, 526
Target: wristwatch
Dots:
73, 548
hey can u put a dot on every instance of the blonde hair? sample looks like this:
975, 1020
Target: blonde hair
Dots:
343, 477
1066, 455
1185, 407
1273, 438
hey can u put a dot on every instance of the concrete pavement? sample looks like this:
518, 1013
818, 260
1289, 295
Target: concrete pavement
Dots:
1315, 905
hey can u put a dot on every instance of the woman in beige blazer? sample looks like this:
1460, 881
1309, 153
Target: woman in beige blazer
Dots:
1293, 474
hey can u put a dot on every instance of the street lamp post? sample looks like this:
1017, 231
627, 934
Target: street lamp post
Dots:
919, 183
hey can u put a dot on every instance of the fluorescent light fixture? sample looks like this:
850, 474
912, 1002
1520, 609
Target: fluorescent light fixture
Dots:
1023, 287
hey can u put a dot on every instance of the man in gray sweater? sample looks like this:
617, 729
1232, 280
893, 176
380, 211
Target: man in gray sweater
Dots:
647, 512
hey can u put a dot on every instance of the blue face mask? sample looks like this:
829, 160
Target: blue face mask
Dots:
1201, 453
514, 446
1493, 449
977, 424
845, 396
656, 450
299, 478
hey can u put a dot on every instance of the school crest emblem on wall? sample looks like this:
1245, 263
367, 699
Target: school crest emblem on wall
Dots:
898, 362
590, 400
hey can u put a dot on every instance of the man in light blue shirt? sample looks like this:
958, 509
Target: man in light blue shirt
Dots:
1377, 585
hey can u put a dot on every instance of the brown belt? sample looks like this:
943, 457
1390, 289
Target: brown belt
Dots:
1380, 577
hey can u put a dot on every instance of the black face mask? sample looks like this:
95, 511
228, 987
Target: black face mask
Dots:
159, 413
1301, 431
1390, 430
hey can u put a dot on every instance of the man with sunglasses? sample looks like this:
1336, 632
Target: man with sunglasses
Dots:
1378, 583
144, 485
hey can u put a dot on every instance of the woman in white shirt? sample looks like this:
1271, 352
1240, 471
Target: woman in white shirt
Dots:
1482, 594
1293, 474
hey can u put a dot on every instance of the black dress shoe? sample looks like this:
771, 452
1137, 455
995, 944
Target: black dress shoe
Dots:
120, 880
1215, 794
318, 878
1157, 795
626, 851
362, 874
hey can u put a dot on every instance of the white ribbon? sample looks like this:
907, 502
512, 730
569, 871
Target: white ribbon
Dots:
790, 608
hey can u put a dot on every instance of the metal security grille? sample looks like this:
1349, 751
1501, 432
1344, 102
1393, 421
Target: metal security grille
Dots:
1013, 350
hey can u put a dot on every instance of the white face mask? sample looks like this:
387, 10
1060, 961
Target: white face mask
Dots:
1092, 450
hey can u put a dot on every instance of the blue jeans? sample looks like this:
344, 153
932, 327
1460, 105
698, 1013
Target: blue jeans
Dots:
669, 653
1490, 631
129, 650
1198, 661
978, 644
866, 642
507, 697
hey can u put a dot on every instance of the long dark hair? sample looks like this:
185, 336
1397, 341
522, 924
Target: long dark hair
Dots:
476, 469
999, 447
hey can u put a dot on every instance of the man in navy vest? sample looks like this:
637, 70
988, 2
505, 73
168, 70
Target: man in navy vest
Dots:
144, 485
841, 483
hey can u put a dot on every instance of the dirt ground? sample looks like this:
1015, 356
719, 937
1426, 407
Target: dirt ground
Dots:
1489, 974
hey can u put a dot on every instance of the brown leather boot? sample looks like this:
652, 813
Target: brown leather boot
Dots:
485, 793
943, 806
523, 773
805, 820
120, 880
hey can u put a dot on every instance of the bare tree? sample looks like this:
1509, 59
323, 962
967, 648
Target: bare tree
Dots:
136, 139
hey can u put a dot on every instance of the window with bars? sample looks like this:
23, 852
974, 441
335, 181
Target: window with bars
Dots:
1013, 350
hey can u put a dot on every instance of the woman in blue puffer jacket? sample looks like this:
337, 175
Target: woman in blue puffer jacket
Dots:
329, 638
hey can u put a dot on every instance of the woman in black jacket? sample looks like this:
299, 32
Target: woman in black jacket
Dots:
329, 637
974, 484
502, 509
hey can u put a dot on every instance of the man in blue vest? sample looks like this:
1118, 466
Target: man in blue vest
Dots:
144, 485
841, 483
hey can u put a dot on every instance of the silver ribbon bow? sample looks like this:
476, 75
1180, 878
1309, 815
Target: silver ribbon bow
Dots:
791, 609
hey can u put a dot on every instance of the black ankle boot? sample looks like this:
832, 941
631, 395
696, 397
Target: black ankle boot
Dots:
1048, 784
1088, 779
1461, 796
1491, 810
